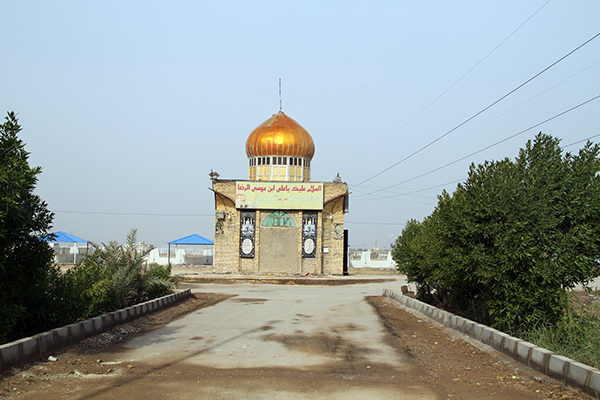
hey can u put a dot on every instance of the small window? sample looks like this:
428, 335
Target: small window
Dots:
284, 160
259, 161
268, 160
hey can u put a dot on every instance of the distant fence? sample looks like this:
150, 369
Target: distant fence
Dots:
375, 259
181, 257
70, 254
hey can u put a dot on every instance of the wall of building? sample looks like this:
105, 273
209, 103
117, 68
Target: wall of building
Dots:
330, 223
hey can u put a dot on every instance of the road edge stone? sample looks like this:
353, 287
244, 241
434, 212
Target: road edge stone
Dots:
571, 372
41, 345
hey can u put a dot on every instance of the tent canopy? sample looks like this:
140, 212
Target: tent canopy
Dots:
62, 237
193, 239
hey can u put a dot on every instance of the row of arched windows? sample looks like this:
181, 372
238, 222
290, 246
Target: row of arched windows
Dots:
279, 168
279, 160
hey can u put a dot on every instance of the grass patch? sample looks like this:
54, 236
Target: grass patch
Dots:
577, 336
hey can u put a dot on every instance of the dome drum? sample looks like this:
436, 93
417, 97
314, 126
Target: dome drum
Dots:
279, 168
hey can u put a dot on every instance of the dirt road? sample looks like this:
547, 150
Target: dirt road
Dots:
276, 342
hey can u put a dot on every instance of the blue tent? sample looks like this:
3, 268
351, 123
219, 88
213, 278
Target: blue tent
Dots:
62, 237
193, 239
189, 240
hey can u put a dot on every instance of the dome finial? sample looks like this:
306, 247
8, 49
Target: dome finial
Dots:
280, 104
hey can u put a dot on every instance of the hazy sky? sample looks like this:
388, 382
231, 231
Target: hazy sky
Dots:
128, 105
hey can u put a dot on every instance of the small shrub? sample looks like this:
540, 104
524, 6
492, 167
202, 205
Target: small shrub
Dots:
113, 277
157, 281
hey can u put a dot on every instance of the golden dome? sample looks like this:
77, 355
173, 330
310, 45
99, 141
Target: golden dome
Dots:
280, 136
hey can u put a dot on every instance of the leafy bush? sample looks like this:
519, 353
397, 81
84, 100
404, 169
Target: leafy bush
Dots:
506, 246
158, 281
114, 277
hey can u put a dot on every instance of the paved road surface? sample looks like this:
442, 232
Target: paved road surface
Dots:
300, 331
289, 342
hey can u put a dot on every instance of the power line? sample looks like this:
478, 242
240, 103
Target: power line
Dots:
448, 89
132, 214
527, 101
571, 144
534, 97
375, 223
490, 146
480, 112
579, 141
413, 192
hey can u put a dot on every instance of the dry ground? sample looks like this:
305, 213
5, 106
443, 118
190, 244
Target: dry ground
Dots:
455, 368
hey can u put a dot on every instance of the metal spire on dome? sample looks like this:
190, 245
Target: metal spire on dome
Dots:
280, 104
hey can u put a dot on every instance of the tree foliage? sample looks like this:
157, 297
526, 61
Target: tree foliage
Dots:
26, 271
508, 243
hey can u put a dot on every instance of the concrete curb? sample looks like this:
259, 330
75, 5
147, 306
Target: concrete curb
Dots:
556, 366
40, 346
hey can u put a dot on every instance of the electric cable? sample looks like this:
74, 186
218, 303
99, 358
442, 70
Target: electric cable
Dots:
415, 191
481, 111
375, 223
487, 147
131, 214
525, 102
448, 89
579, 141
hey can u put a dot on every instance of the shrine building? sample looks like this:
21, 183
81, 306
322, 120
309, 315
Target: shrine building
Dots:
278, 221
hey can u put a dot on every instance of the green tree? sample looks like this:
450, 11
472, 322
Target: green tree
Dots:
26, 271
515, 236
